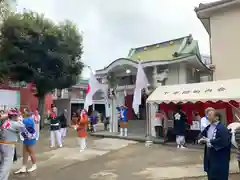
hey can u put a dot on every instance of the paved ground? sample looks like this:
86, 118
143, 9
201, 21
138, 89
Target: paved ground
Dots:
115, 159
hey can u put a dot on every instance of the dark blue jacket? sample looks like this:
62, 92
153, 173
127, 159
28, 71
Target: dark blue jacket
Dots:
217, 158
180, 120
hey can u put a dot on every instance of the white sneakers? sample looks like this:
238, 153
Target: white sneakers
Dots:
181, 147
33, 168
59, 146
24, 169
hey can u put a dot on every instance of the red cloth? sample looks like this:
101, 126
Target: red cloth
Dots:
53, 115
200, 107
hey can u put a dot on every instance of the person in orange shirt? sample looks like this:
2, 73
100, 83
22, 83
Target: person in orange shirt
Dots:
81, 128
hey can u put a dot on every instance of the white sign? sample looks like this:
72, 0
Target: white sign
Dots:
195, 125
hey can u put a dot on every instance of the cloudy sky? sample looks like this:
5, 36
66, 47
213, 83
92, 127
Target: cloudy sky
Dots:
111, 27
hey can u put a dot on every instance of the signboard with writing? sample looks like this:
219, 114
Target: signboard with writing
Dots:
196, 91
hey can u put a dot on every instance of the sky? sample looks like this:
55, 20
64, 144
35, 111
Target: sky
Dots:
111, 28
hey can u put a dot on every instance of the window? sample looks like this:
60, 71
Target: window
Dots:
161, 69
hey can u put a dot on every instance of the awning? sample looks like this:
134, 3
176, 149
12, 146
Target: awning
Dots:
224, 90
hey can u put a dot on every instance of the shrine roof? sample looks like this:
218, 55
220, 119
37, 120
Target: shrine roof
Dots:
166, 51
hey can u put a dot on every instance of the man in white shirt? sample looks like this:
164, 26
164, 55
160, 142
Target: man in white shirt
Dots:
204, 122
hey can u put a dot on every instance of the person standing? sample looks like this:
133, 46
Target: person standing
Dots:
81, 128
217, 140
63, 124
237, 140
29, 136
158, 124
93, 120
37, 118
9, 132
55, 128
180, 120
122, 110
204, 122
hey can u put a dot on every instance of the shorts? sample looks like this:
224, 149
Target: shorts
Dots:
123, 124
29, 142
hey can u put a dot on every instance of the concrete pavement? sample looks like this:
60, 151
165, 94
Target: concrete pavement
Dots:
115, 159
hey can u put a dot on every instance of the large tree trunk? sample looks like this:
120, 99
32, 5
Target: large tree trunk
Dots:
41, 102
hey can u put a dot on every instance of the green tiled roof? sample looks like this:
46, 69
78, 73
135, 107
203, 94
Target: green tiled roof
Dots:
166, 51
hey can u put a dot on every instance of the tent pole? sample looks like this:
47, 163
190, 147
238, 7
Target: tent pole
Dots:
149, 141
237, 109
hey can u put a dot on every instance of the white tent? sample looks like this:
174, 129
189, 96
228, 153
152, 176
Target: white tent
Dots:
224, 90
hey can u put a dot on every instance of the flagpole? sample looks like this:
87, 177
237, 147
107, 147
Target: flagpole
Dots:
107, 109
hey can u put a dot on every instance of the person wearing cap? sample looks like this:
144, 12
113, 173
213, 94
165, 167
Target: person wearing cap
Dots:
122, 110
29, 141
55, 128
9, 132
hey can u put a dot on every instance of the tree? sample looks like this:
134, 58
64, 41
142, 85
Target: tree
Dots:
36, 50
6, 6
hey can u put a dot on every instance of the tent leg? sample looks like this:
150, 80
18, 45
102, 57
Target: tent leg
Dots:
148, 141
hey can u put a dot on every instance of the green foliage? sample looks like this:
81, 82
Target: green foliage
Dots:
37, 50
6, 6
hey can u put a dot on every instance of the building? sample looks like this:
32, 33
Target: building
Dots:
20, 95
176, 61
73, 98
221, 21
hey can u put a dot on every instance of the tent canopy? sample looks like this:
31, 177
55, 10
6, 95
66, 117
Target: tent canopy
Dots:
224, 90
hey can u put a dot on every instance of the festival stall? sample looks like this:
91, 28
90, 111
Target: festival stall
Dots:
194, 98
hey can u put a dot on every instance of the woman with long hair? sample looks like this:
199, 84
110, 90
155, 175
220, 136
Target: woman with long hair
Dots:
29, 141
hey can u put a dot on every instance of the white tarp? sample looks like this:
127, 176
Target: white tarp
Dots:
9, 98
224, 90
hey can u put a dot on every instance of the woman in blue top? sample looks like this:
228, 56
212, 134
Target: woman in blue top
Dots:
28, 144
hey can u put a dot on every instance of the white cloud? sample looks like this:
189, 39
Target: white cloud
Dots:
112, 27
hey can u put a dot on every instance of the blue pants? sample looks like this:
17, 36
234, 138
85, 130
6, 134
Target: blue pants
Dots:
6, 160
